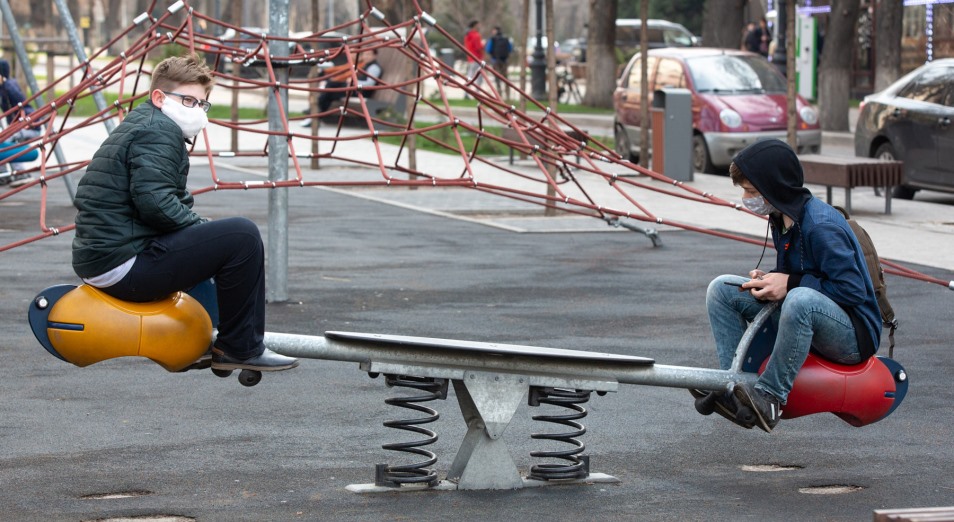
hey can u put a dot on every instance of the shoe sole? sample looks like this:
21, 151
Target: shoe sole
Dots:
240, 366
723, 411
747, 401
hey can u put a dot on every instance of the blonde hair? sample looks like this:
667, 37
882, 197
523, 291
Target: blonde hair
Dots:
178, 70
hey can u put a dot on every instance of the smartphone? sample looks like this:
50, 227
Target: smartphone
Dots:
734, 283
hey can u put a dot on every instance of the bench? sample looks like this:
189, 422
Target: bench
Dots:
397, 68
851, 172
914, 514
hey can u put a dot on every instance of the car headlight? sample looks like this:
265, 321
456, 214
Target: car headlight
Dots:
730, 118
808, 115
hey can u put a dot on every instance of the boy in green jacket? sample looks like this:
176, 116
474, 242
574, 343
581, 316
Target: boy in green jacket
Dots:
137, 238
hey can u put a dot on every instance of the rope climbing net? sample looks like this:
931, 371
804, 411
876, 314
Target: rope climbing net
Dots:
370, 136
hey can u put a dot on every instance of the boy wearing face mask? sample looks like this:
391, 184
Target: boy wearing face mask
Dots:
827, 299
137, 237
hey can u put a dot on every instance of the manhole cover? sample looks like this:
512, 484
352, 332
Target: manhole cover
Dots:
835, 489
763, 468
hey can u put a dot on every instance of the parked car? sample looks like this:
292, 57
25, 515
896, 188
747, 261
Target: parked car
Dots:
662, 33
910, 121
738, 98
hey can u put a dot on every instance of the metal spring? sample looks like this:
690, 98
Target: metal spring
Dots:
577, 465
420, 472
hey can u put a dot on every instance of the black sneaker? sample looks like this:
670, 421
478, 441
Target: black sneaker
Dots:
268, 361
766, 406
724, 404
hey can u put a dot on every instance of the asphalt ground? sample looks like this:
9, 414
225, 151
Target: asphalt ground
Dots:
194, 445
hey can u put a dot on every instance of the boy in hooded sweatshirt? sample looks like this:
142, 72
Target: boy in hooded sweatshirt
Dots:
827, 299
137, 237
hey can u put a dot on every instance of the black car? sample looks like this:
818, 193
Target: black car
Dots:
910, 121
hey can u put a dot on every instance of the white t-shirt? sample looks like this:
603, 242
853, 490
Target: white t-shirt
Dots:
113, 276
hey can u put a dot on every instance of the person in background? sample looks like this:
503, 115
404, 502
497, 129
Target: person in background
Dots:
474, 44
499, 49
369, 73
11, 96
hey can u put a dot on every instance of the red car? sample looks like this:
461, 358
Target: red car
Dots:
738, 98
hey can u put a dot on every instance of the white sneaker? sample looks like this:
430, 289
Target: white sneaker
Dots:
21, 179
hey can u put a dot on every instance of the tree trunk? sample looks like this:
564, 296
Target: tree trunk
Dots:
722, 23
601, 54
888, 18
834, 74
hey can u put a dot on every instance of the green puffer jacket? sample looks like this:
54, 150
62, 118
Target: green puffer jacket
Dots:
134, 189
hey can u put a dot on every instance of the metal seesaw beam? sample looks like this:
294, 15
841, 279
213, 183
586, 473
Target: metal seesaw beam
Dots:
490, 381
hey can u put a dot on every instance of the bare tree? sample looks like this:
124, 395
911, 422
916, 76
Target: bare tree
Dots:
888, 24
834, 73
601, 54
723, 23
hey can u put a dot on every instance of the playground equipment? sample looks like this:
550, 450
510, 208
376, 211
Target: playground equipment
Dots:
84, 326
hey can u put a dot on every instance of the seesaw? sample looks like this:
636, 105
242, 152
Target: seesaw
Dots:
80, 326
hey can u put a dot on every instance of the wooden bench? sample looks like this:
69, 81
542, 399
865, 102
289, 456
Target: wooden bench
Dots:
851, 172
914, 514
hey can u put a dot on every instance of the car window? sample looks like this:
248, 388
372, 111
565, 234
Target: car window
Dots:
654, 34
932, 86
734, 74
669, 74
675, 37
635, 73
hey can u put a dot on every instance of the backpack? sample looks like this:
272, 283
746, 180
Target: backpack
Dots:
500, 48
876, 272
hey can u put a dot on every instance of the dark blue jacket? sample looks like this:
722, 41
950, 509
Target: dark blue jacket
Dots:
820, 251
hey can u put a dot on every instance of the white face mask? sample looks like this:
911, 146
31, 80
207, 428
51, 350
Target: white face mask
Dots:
758, 205
190, 120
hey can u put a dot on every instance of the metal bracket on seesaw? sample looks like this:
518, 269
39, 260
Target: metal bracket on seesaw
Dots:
488, 402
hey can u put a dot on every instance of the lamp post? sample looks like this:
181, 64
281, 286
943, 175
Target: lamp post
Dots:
538, 63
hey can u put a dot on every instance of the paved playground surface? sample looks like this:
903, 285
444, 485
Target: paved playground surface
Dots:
196, 446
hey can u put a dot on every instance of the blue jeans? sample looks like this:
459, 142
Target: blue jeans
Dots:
806, 319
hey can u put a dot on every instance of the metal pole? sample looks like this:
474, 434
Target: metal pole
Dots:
31, 81
538, 65
276, 275
70, 28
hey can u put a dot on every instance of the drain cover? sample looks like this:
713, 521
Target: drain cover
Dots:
763, 468
834, 489
117, 494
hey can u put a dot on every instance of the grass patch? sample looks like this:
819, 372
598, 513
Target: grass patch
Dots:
86, 106
567, 108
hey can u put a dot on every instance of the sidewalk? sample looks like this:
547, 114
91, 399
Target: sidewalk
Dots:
919, 231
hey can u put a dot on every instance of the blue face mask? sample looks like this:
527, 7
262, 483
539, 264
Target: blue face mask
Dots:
758, 205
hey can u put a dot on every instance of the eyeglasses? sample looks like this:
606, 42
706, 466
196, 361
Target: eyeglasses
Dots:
190, 101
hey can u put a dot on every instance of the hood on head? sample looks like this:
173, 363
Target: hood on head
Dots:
774, 170
4, 69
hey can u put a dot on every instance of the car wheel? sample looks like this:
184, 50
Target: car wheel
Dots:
886, 152
623, 147
700, 155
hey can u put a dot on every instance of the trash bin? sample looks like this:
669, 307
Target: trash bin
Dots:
446, 55
672, 133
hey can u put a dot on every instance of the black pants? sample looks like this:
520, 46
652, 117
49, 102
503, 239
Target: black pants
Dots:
326, 98
228, 250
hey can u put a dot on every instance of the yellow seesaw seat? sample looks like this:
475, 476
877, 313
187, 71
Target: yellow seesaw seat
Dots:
87, 326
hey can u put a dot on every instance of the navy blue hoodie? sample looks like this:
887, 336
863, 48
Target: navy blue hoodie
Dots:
819, 251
